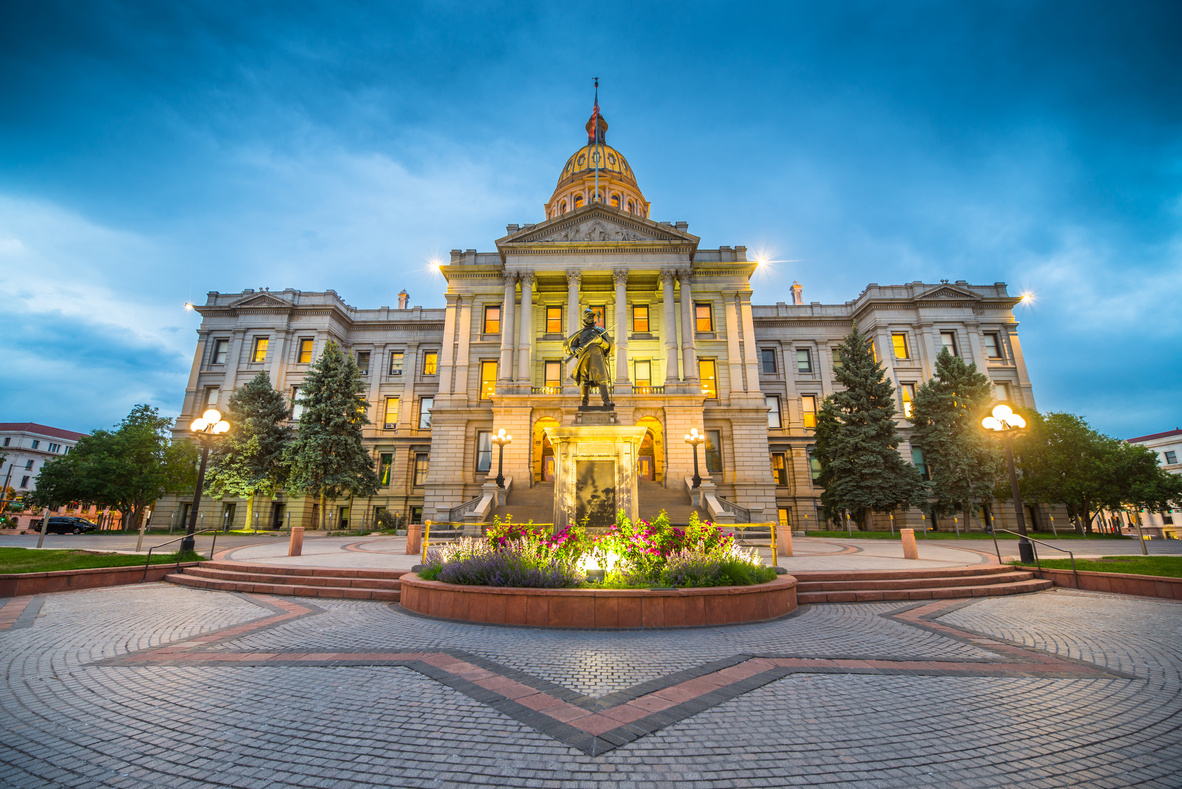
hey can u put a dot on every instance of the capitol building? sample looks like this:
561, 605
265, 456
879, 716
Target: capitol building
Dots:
694, 346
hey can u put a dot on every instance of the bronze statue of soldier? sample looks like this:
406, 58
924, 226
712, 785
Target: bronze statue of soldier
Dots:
591, 346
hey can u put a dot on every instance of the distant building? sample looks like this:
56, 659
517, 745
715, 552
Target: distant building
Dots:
30, 446
1168, 447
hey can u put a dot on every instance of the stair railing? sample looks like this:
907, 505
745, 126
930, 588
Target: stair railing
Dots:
1036, 544
178, 555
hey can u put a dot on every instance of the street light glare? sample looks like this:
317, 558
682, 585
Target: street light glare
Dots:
1001, 411
212, 416
198, 425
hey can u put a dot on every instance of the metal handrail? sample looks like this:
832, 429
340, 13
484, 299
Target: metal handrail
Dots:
148, 563
1037, 565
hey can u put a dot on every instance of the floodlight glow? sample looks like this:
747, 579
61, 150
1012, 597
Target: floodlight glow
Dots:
198, 425
990, 423
212, 416
1002, 412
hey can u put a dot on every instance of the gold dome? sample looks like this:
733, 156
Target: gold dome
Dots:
597, 164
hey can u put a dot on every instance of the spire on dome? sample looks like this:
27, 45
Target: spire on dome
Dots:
597, 126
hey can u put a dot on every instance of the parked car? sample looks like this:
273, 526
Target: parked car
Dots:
62, 524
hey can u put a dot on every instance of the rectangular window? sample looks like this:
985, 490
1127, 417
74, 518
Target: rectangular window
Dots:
54, 447
643, 372
920, 465
212, 393
707, 372
24, 482
220, 348
492, 319
713, 451
779, 468
488, 379
804, 360
1171, 458
29, 463
390, 415
808, 409
363, 362
552, 374
814, 464
948, 340
425, 406
767, 361
396, 363
703, 317
7, 441
992, 346
422, 467
773, 411
297, 408
431, 363
554, 320
600, 313
36, 444
483, 452
385, 464
640, 318
305, 351
906, 395
899, 343
259, 354
1001, 392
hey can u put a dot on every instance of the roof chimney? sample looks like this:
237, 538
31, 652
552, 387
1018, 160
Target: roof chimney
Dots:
403, 297
797, 293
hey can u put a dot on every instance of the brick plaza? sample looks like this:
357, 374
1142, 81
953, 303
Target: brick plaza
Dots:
158, 685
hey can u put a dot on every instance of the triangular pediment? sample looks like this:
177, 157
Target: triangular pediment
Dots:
949, 292
598, 224
261, 300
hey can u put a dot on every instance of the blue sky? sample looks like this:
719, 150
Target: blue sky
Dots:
151, 152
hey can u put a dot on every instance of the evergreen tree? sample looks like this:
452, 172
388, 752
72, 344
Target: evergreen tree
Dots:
858, 440
964, 462
249, 460
327, 458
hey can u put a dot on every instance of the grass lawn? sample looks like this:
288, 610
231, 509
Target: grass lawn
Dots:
1167, 566
964, 535
30, 560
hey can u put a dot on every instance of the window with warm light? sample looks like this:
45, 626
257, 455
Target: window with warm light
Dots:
640, 318
396, 363
554, 320
425, 406
220, 348
422, 468
906, 395
948, 340
773, 411
804, 360
488, 379
492, 319
899, 343
703, 317
600, 313
992, 346
779, 468
767, 361
385, 464
808, 409
431, 363
643, 372
483, 452
552, 374
615, 201
305, 354
707, 373
578, 201
390, 419
259, 354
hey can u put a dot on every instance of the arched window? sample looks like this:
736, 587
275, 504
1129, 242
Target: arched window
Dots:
578, 201
615, 201
631, 207
562, 207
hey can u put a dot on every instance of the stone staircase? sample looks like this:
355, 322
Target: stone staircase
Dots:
297, 581
879, 585
537, 503
654, 497
528, 504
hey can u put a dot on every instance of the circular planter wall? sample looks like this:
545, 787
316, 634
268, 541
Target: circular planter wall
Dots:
600, 608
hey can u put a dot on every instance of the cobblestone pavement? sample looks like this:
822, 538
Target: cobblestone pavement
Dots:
158, 685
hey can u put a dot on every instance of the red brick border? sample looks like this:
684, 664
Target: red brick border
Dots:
1118, 583
90, 578
600, 608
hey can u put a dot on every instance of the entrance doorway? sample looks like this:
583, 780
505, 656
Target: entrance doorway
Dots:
645, 467
651, 457
542, 450
277, 509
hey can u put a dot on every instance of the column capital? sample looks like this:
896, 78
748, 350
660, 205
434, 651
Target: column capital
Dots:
528, 279
573, 276
509, 278
620, 276
684, 275
668, 277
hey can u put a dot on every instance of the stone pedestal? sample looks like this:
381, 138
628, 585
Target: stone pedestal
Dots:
594, 471
295, 545
910, 551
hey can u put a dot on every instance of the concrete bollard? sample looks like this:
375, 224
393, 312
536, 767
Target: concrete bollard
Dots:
909, 549
783, 541
295, 546
414, 538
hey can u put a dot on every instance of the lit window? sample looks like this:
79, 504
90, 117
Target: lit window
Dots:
703, 317
600, 312
554, 320
707, 373
1171, 457
1001, 391
713, 451
899, 342
211, 396
785, 522
640, 318
552, 373
220, 348
363, 362
492, 319
948, 340
431, 363
907, 394
631, 207
808, 407
578, 201
773, 411
615, 201
644, 372
297, 408
488, 379
483, 452
992, 346
804, 360
767, 361
260, 350
390, 419
396, 363
385, 465
305, 351
425, 406
779, 469
422, 467
814, 464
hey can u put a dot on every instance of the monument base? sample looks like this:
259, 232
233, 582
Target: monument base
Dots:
596, 415
594, 470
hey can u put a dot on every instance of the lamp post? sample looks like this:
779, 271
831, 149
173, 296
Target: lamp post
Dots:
501, 438
694, 438
1005, 424
206, 428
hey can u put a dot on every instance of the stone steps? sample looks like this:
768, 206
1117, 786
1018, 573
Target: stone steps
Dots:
879, 585
529, 504
676, 503
296, 581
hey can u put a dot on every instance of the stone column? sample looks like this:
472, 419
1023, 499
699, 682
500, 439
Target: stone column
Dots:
463, 336
508, 307
689, 346
525, 347
573, 321
192, 392
669, 327
446, 353
278, 371
620, 276
750, 350
233, 359
734, 357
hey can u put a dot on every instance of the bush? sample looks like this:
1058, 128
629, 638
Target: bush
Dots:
516, 563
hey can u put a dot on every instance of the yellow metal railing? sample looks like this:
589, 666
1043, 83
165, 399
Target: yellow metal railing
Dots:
736, 528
